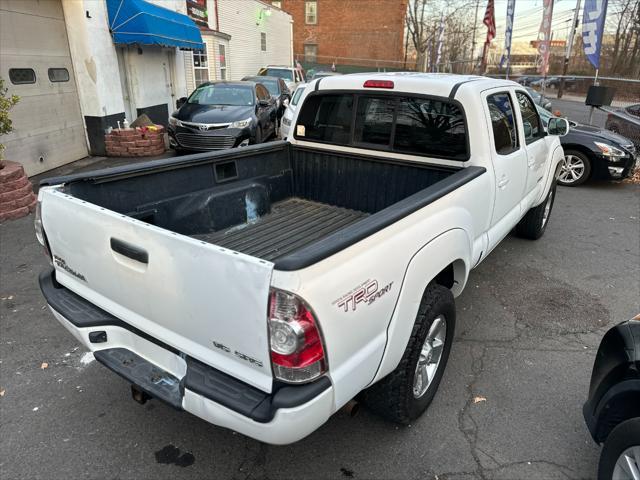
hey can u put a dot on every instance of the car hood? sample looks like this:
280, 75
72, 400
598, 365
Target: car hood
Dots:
192, 112
600, 133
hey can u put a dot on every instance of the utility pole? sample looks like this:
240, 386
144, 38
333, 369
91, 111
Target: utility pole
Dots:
567, 55
473, 42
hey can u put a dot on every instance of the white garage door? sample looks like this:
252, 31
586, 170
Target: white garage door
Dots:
36, 65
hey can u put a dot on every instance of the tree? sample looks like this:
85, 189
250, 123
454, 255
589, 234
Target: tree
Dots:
6, 103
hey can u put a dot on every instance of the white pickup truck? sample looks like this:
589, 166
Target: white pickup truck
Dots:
265, 287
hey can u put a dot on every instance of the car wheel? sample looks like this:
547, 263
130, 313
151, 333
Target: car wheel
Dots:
405, 393
534, 223
575, 170
620, 457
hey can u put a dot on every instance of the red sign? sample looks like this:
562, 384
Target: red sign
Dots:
197, 11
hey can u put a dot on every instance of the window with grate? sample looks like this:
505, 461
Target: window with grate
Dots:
311, 12
200, 66
22, 76
58, 75
263, 42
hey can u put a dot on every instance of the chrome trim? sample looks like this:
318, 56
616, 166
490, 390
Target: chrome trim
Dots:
208, 126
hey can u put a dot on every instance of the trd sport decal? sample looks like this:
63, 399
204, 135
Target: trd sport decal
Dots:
62, 263
364, 294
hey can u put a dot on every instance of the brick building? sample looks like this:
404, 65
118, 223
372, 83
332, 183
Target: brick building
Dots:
366, 33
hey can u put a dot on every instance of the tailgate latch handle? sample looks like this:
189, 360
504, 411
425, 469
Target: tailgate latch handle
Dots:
131, 251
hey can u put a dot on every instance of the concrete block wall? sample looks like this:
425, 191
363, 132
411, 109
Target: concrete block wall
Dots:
135, 142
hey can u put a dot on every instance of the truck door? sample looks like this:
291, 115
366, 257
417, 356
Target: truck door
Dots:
509, 164
535, 146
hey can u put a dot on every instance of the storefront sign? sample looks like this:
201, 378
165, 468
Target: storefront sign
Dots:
197, 11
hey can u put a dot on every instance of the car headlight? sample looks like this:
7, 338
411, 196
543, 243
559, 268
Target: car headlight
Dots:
610, 151
240, 123
175, 122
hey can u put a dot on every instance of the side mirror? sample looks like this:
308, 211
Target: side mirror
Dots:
558, 126
181, 101
528, 131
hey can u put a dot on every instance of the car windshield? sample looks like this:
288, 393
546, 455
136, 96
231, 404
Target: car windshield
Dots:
296, 95
535, 95
283, 73
272, 86
223, 94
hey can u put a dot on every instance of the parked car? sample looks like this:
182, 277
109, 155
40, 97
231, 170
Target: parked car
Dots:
263, 288
222, 115
277, 89
539, 99
323, 74
291, 75
290, 110
612, 410
626, 121
526, 80
554, 82
592, 152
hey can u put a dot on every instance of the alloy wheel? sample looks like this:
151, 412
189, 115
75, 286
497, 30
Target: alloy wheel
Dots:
572, 170
628, 465
430, 356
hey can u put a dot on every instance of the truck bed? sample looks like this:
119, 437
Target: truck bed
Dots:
292, 224
287, 204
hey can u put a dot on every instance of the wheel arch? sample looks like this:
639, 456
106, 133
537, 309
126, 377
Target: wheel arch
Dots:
447, 258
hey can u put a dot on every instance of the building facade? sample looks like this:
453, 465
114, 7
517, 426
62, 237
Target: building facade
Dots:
76, 77
367, 33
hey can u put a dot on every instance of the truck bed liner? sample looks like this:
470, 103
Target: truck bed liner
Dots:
291, 224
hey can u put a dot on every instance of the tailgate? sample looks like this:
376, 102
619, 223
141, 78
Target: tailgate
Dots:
204, 300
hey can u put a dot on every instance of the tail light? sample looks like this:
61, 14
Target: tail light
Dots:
297, 350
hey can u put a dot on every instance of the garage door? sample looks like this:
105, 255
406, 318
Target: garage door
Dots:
35, 64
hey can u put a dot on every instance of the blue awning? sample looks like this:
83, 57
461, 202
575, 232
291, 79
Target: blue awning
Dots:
143, 23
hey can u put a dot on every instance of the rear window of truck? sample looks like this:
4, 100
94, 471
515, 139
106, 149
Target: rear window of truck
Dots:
413, 125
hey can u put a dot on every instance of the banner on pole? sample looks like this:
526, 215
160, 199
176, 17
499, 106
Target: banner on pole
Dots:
511, 7
440, 41
544, 37
593, 18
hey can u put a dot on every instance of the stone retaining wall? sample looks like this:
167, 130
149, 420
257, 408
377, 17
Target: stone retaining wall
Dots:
16, 193
135, 142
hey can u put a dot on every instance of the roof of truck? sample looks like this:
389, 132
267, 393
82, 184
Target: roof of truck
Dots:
438, 84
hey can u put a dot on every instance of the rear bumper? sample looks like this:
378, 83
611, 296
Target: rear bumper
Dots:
286, 415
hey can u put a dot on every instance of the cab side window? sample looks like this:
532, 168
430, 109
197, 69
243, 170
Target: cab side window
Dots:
505, 135
530, 119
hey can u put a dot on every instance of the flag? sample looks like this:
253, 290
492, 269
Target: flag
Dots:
595, 12
440, 41
490, 21
544, 36
511, 7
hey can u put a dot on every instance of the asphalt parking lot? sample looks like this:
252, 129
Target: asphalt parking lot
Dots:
509, 406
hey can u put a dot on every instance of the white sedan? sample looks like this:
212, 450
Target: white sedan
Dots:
285, 123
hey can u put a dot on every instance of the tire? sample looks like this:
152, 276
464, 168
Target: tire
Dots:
581, 171
393, 397
624, 439
535, 221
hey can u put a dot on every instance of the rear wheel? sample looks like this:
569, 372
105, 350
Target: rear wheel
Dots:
620, 457
534, 223
575, 170
405, 393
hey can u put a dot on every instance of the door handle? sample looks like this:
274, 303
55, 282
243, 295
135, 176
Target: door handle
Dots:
130, 251
503, 181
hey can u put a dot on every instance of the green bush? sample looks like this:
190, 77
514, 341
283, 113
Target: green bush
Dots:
6, 103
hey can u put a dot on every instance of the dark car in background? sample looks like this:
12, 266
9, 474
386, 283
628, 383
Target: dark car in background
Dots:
626, 121
593, 152
554, 82
278, 90
539, 99
612, 409
219, 115
526, 80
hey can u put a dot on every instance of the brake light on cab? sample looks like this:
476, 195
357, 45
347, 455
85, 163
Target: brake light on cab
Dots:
297, 350
378, 84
